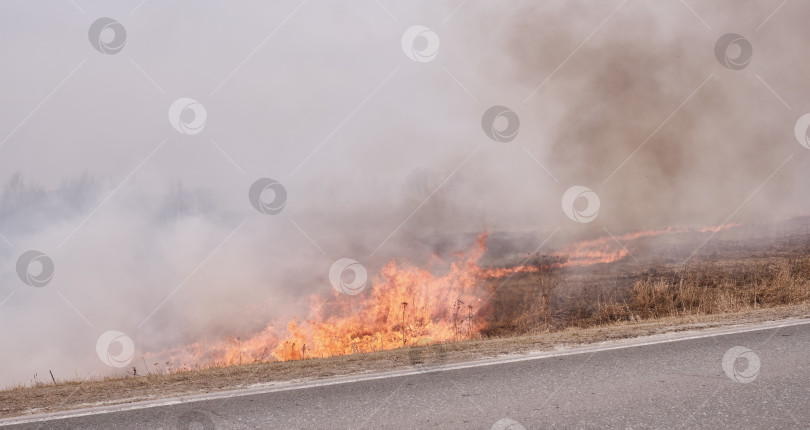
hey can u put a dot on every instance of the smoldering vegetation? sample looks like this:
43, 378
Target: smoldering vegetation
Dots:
744, 268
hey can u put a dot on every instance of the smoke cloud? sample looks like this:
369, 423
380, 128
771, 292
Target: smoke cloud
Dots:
150, 226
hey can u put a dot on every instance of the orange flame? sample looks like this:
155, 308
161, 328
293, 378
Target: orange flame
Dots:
406, 306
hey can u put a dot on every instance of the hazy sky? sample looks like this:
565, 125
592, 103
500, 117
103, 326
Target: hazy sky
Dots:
151, 230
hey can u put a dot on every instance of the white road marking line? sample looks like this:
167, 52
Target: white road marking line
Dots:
290, 386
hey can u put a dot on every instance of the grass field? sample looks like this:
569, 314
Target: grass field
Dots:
653, 291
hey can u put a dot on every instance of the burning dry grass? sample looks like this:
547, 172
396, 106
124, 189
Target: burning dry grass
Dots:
547, 301
447, 299
72, 394
529, 318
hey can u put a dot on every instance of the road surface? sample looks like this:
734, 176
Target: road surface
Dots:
677, 381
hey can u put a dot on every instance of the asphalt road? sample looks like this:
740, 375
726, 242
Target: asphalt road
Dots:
677, 384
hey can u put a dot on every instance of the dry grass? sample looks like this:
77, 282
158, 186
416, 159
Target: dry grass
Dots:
532, 312
709, 289
526, 304
72, 394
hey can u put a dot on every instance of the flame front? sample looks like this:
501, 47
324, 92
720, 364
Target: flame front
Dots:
406, 305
